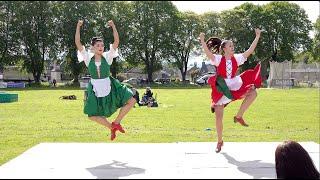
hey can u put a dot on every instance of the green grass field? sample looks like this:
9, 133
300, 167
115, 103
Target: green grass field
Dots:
183, 115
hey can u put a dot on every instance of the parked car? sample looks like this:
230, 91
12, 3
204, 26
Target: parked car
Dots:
133, 81
203, 80
163, 80
84, 81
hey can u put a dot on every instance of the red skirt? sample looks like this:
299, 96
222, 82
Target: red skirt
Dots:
250, 78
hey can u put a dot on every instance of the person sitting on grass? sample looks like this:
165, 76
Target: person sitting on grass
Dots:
146, 96
135, 95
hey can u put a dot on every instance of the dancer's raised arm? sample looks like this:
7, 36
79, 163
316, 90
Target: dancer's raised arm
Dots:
248, 52
77, 36
205, 48
115, 34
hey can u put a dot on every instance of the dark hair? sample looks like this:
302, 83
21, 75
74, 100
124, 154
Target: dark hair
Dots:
96, 39
293, 161
215, 44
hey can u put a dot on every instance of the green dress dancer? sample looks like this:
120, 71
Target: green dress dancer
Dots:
105, 94
117, 98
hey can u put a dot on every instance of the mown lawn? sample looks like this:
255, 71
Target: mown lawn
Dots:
182, 115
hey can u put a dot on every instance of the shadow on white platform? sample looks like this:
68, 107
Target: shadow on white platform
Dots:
114, 170
148, 160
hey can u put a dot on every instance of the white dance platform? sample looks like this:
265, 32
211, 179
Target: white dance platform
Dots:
196, 160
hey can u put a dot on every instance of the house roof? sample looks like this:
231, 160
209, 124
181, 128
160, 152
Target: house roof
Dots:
135, 70
192, 69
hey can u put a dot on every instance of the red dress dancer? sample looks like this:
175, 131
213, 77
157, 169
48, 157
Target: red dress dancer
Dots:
234, 87
226, 85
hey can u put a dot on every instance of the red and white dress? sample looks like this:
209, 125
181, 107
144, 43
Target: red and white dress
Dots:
238, 85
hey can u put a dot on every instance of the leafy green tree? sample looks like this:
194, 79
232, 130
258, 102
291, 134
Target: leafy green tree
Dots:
287, 27
211, 23
67, 14
121, 13
149, 37
316, 41
35, 30
10, 41
286, 24
185, 31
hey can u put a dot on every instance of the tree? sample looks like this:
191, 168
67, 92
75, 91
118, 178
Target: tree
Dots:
316, 41
8, 34
185, 31
120, 13
35, 25
149, 36
211, 24
286, 26
67, 14
238, 25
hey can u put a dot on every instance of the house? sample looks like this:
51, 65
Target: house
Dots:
138, 72
207, 69
190, 71
135, 72
13, 73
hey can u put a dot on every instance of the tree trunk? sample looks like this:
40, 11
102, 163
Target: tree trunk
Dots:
114, 67
36, 77
35, 72
75, 79
76, 72
264, 68
183, 74
185, 69
149, 71
75, 67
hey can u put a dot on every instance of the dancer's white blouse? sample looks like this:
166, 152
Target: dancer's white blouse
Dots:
233, 83
101, 87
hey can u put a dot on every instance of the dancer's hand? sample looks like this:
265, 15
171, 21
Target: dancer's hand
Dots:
201, 37
80, 23
110, 24
258, 32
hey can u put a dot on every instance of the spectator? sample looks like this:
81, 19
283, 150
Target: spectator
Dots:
152, 102
54, 82
136, 95
293, 161
29, 82
148, 92
146, 96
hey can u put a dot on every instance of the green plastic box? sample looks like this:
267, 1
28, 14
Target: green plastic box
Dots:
6, 97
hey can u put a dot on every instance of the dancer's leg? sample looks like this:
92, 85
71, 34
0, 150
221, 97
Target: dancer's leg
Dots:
124, 110
250, 97
115, 125
101, 120
219, 118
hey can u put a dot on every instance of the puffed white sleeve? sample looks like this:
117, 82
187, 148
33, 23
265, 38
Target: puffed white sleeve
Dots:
83, 56
112, 53
240, 59
217, 59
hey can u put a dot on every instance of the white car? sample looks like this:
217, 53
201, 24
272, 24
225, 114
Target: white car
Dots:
132, 81
203, 80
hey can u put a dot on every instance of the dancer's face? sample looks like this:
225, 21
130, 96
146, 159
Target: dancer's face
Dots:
98, 48
229, 48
